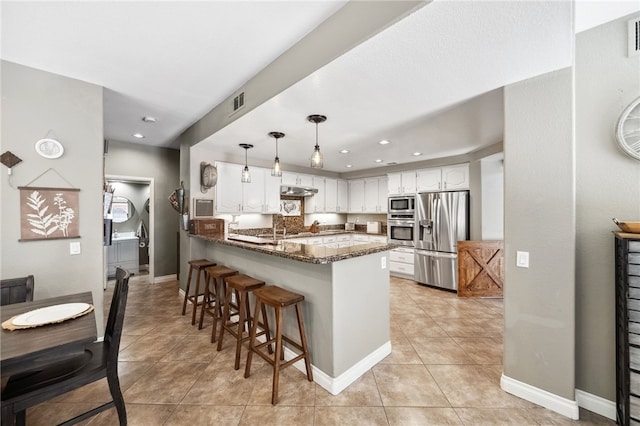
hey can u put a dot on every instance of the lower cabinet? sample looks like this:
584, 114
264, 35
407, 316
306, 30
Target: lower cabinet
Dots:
627, 255
401, 262
123, 254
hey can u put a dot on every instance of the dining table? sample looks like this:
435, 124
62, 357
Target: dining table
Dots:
29, 348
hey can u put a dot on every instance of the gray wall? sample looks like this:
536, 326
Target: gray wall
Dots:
540, 218
33, 103
163, 165
608, 185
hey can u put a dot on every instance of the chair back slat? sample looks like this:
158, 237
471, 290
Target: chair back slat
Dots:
115, 321
16, 290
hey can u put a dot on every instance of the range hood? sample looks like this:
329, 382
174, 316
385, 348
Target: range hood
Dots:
297, 191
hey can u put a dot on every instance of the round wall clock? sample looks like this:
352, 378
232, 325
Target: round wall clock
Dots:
628, 130
49, 148
208, 177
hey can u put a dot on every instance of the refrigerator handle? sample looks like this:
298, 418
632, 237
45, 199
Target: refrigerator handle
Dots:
435, 219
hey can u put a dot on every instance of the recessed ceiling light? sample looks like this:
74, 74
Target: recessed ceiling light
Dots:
378, 161
138, 135
348, 166
415, 154
344, 151
148, 119
384, 142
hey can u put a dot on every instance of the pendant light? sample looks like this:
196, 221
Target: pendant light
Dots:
316, 157
276, 170
246, 176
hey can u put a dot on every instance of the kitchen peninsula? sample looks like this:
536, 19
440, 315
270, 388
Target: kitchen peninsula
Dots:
346, 307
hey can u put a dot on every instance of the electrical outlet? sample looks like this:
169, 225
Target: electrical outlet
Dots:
522, 259
383, 263
74, 248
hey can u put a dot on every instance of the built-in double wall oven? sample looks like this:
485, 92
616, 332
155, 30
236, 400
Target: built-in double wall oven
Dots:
401, 223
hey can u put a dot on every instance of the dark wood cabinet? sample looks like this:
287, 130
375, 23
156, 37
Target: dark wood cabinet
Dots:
627, 252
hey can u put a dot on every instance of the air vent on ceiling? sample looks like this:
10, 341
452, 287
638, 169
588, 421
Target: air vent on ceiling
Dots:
238, 101
634, 37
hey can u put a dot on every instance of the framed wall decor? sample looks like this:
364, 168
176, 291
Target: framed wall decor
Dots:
290, 207
49, 213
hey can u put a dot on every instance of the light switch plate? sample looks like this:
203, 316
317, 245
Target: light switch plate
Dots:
74, 248
522, 259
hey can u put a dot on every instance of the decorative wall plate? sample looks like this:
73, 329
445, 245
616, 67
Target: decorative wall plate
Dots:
208, 176
49, 148
628, 130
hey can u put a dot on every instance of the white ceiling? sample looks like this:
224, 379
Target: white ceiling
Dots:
431, 83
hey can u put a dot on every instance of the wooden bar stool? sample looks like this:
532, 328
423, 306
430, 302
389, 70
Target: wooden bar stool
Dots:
197, 265
242, 285
278, 298
213, 296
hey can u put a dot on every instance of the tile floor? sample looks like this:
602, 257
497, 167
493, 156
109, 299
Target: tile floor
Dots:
444, 370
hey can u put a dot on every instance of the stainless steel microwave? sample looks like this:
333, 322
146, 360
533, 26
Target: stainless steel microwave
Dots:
402, 204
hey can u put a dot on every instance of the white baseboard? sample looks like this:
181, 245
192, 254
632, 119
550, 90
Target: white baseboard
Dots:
335, 385
596, 404
165, 278
553, 402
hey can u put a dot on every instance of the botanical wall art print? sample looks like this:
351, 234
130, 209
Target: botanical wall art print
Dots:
48, 213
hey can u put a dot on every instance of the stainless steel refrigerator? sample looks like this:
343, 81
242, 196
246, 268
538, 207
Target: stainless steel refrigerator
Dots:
443, 220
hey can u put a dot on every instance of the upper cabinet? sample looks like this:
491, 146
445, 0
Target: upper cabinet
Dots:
315, 203
455, 177
443, 178
330, 195
297, 179
342, 204
368, 195
402, 183
356, 196
261, 195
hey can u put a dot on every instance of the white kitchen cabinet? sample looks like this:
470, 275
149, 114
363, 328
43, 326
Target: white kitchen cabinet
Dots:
402, 183
315, 241
359, 239
383, 193
356, 196
330, 195
375, 195
297, 179
443, 178
271, 193
123, 254
401, 262
455, 177
342, 204
316, 203
229, 188
261, 195
377, 239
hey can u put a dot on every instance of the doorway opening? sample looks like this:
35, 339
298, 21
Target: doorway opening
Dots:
132, 243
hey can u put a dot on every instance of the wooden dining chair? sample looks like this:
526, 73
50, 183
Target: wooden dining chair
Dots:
99, 360
16, 290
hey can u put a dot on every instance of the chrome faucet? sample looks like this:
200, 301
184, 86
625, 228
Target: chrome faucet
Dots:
275, 225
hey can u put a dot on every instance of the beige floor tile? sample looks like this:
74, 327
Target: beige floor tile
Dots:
402, 353
195, 415
150, 348
408, 386
483, 350
418, 416
269, 415
419, 325
293, 388
362, 392
339, 416
496, 416
549, 418
193, 348
440, 350
164, 383
137, 415
222, 385
461, 327
471, 386
56, 413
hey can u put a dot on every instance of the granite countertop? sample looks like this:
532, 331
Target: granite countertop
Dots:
302, 252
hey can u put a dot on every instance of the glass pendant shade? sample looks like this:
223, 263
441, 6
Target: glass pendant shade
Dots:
246, 175
276, 170
316, 157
